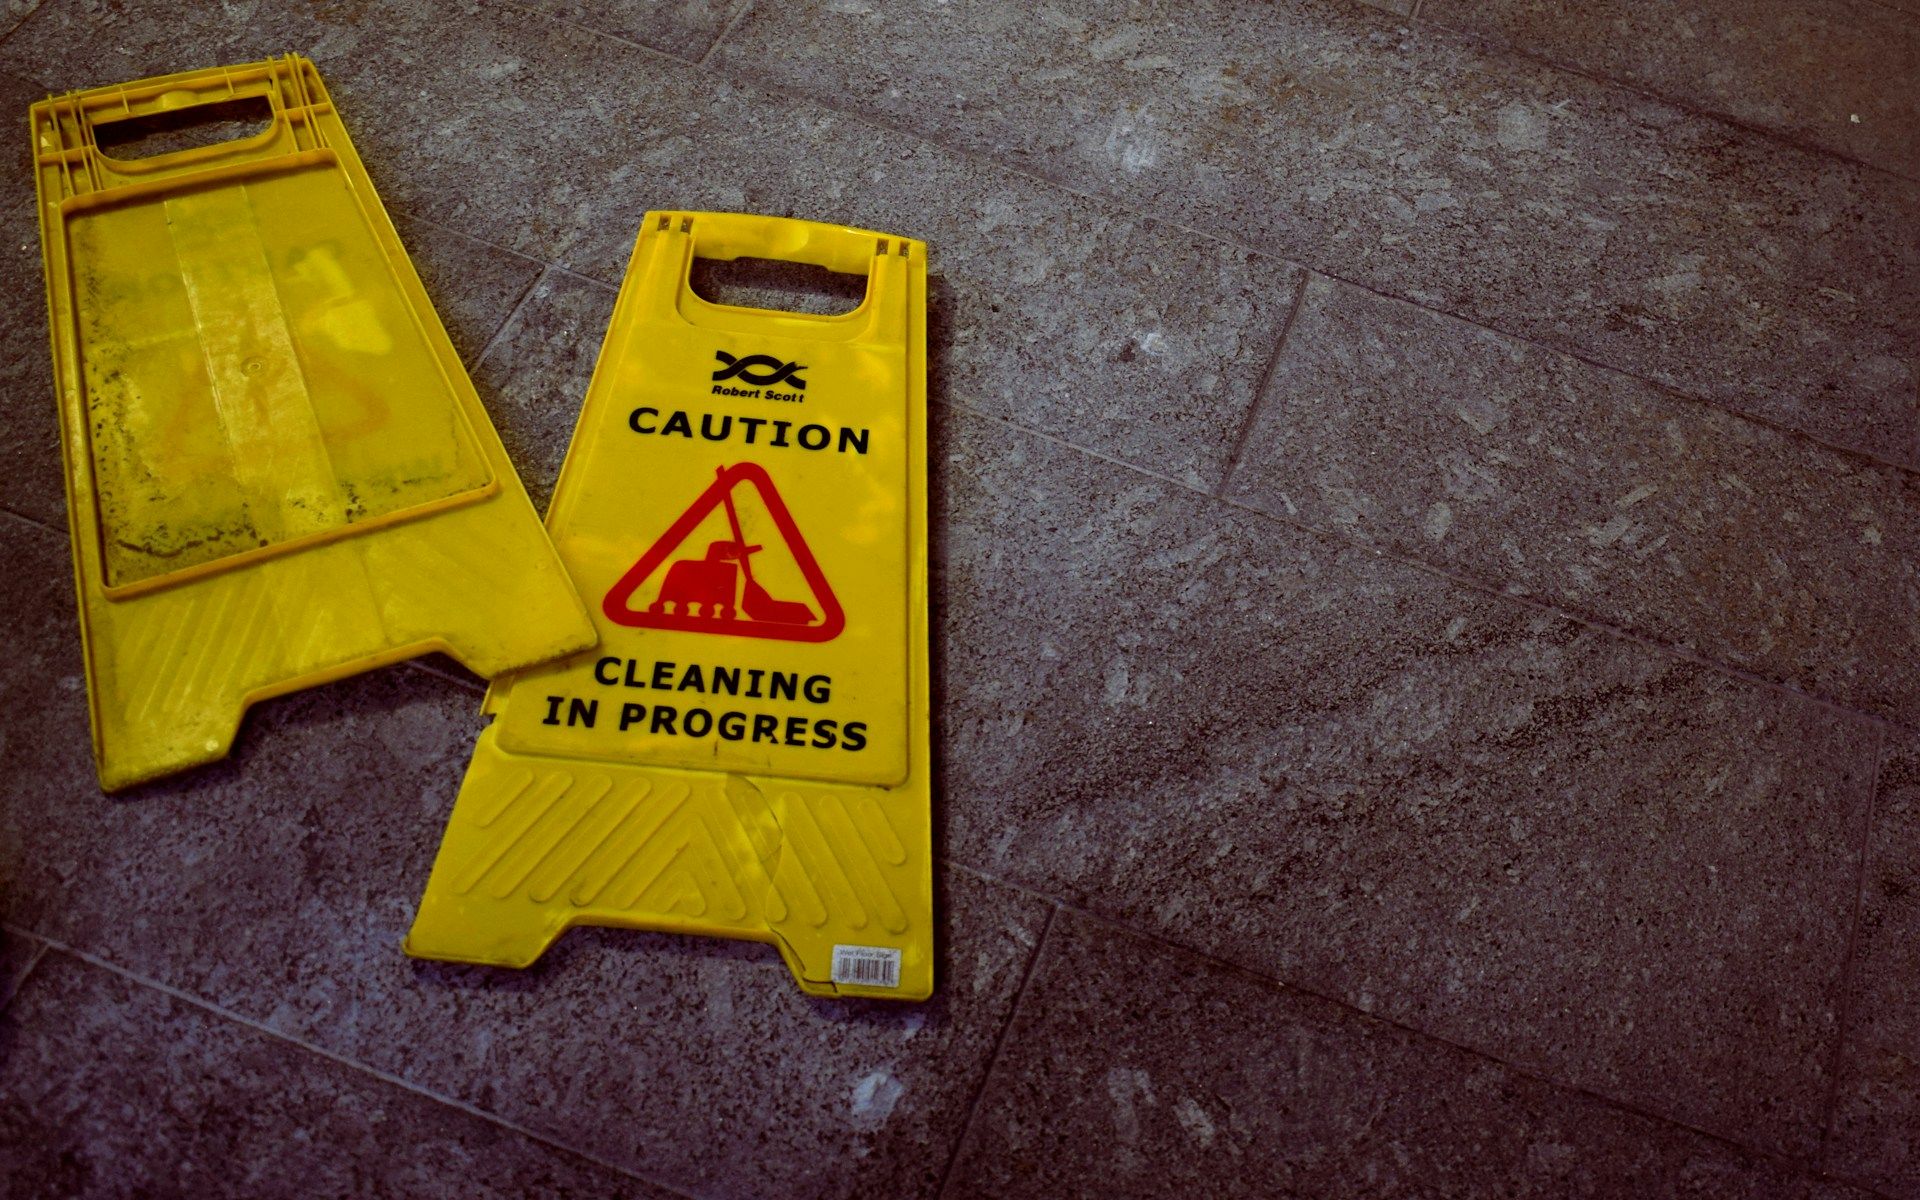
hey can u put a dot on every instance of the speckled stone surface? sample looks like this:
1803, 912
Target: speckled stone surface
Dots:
1113, 1085
1578, 908
1582, 214
1840, 74
1127, 336
12, 12
1541, 474
1876, 1124
1482, 820
29, 433
18, 953
684, 28
108, 1088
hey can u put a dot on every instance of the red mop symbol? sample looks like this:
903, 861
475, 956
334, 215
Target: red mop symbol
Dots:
716, 591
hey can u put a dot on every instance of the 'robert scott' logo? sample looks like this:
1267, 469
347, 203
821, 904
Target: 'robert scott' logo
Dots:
760, 370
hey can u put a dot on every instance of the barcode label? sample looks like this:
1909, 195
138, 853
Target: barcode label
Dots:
869, 966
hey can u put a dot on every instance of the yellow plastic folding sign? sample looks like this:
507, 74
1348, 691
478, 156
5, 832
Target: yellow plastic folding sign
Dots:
746, 753
277, 472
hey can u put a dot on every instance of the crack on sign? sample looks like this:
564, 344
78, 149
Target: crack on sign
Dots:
759, 817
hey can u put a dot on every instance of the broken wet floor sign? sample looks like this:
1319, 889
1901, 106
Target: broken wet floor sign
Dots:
745, 754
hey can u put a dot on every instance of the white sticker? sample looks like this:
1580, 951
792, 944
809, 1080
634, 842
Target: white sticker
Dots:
868, 966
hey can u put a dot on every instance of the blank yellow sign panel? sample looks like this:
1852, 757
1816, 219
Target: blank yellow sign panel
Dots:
745, 754
277, 471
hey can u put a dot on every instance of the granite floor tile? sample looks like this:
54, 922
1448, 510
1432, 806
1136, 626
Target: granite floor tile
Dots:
278, 884
30, 480
1539, 473
109, 1088
1133, 1070
1128, 336
683, 28
1876, 1124
1838, 74
18, 954
1771, 279
1621, 869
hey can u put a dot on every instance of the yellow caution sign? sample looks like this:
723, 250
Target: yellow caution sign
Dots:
277, 472
746, 753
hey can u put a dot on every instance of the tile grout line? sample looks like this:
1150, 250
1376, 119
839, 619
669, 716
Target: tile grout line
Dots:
1260, 390
1460, 579
726, 32
386, 1077
1858, 453
20, 981
1055, 439
430, 223
506, 323
999, 1045
525, 9
1504, 45
36, 522
18, 25
1278, 983
595, 280
1843, 1001
1394, 554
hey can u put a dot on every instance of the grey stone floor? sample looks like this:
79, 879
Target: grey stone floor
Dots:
1427, 521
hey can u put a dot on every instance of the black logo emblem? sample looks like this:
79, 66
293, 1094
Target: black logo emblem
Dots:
760, 370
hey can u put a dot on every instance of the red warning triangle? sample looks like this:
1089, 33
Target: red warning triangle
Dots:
713, 590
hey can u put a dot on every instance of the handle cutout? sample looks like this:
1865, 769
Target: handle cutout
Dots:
773, 285
194, 127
